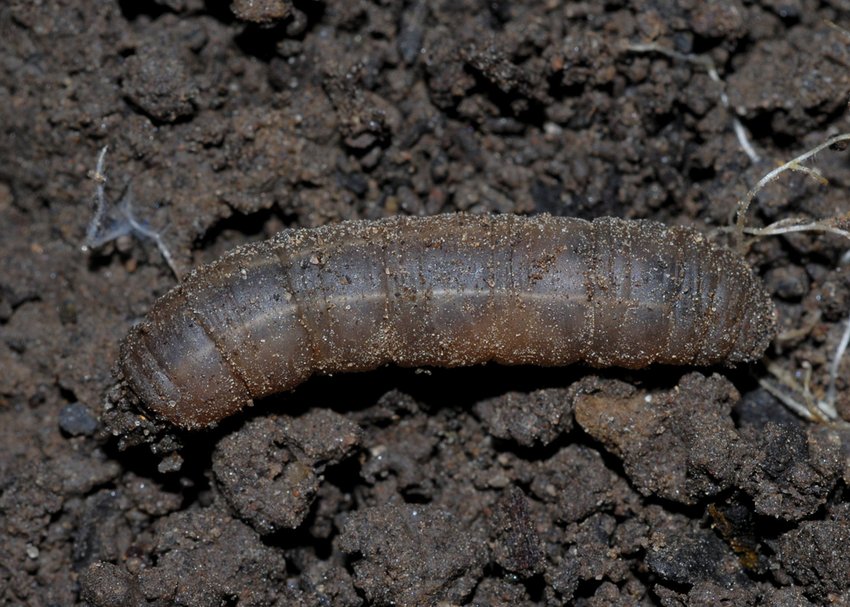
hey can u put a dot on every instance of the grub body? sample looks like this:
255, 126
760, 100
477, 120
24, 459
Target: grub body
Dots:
446, 291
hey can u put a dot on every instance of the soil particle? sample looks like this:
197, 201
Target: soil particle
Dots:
690, 425
501, 592
788, 282
108, 585
76, 419
707, 594
189, 565
682, 553
159, 84
794, 87
815, 556
789, 596
528, 419
269, 470
410, 554
793, 470
577, 483
788, 473
113, 523
517, 546
261, 11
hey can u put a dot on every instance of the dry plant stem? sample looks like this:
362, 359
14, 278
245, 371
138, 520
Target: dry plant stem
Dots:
788, 226
831, 391
812, 410
838, 28
808, 323
744, 205
145, 232
707, 64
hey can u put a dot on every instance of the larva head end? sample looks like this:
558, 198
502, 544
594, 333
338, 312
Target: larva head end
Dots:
757, 327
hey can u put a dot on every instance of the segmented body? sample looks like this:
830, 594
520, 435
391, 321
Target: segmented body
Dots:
448, 290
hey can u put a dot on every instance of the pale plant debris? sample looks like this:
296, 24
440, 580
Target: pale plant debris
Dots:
809, 322
708, 65
792, 165
812, 407
838, 28
111, 222
830, 225
831, 391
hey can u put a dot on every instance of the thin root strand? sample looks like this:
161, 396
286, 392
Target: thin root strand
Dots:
791, 165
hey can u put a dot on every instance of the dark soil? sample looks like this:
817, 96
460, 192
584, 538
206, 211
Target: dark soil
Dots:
486, 486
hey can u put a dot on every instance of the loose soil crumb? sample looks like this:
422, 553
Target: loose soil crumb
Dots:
227, 122
394, 547
285, 459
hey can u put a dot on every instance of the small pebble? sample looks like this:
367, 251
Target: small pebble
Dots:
170, 463
76, 419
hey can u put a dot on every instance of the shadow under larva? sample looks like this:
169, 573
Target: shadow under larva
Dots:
446, 291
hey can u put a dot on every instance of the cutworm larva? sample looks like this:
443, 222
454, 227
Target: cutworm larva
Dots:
446, 291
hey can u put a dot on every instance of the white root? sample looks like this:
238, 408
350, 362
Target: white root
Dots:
791, 165
812, 408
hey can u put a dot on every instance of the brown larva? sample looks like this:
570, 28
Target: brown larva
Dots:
447, 291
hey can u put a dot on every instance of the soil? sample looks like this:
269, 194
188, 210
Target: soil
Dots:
226, 123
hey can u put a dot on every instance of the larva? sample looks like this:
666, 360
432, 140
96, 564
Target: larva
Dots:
447, 291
